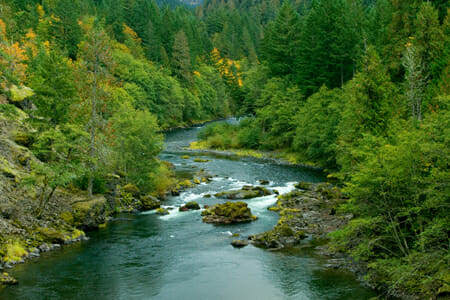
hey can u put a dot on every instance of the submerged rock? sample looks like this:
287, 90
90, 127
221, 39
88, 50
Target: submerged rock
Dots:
228, 213
247, 192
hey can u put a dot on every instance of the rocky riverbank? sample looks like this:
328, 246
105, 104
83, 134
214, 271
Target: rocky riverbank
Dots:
34, 220
308, 212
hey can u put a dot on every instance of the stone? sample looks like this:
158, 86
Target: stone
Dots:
192, 205
201, 160
264, 182
162, 211
6, 279
228, 213
51, 235
303, 185
247, 192
240, 243
149, 202
132, 189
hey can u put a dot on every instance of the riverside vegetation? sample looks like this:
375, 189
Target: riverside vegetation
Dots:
360, 88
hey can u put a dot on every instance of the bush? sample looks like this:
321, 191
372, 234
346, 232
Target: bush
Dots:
99, 186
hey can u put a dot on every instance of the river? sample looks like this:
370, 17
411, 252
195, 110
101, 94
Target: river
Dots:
145, 256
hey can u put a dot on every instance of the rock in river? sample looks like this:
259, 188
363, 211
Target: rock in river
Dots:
150, 202
228, 213
240, 243
247, 192
190, 206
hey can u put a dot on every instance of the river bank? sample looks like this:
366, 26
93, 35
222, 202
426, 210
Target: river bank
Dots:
149, 251
278, 157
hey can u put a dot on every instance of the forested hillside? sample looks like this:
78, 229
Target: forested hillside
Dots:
361, 88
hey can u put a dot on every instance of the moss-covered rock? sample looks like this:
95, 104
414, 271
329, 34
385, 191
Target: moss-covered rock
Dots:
52, 235
89, 214
197, 181
149, 202
274, 208
6, 279
201, 160
264, 182
247, 192
303, 185
228, 213
132, 189
185, 157
184, 184
240, 243
192, 205
162, 211
280, 237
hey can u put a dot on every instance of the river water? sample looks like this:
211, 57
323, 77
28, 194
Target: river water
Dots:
145, 256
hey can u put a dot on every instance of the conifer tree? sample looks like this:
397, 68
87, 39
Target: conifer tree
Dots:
181, 59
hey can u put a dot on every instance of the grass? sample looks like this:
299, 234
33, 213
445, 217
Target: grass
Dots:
14, 252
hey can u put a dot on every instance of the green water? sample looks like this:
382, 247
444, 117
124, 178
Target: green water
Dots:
146, 256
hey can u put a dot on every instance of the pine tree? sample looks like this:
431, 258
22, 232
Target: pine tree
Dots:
281, 41
181, 59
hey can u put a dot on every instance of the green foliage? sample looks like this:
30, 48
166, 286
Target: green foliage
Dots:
327, 81
317, 126
53, 82
136, 142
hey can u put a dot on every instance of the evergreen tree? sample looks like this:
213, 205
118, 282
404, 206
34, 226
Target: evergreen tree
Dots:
181, 59
281, 41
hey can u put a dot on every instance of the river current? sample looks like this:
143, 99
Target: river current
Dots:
146, 256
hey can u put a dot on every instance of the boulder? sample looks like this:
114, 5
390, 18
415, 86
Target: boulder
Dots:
51, 235
162, 211
247, 192
201, 160
149, 202
132, 189
192, 205
6, 279
228, 213
263, 182
303, 185
240, 243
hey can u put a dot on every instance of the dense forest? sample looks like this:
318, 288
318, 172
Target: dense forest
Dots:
360, 88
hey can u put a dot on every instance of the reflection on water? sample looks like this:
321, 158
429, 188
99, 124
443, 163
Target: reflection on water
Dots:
146, 256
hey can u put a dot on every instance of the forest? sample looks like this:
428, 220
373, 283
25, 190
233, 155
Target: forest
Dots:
358, 88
